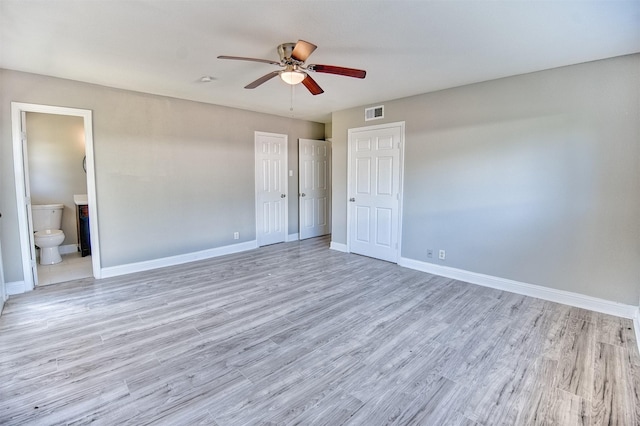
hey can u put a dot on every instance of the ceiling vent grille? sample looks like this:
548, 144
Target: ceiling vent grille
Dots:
374, 113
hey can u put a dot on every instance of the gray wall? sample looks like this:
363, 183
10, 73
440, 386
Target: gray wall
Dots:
55, 149
534, 178
172, 176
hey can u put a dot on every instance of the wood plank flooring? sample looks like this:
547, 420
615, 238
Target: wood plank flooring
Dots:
297, 334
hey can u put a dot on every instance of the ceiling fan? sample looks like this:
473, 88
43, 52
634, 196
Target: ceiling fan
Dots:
292, 59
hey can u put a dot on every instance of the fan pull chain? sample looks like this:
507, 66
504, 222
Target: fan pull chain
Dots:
291, 105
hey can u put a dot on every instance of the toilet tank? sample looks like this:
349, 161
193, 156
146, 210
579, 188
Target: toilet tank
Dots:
46, 216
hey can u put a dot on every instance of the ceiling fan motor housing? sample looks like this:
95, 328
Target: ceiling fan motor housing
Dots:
285, 50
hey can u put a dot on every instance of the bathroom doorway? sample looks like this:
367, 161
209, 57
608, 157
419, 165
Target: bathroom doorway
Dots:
53, 159
57, 175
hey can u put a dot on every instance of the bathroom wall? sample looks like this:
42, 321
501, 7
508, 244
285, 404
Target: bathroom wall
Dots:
55, 150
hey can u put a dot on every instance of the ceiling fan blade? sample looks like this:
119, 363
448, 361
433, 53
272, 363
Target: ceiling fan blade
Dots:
311, 84
302, 50
241, 58
331, 69
261, 80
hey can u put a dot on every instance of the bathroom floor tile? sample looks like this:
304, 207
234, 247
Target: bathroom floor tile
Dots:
72, 267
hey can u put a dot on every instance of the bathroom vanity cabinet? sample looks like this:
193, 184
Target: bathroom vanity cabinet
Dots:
82, 222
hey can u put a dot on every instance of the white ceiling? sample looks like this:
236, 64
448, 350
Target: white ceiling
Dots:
407, 47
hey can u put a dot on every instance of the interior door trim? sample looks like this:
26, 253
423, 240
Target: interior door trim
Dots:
17, 110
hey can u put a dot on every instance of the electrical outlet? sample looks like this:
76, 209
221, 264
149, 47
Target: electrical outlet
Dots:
429, 253
236, 235
442, 254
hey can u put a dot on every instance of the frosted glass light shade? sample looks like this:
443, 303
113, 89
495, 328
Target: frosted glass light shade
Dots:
292, 77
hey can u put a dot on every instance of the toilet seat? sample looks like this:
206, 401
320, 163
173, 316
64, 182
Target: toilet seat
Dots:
48, 241
48, 233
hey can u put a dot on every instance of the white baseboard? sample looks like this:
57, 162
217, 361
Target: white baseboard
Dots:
338, 247
636, 327
540, 292
68, 249
147, 265
292, 237
15, 287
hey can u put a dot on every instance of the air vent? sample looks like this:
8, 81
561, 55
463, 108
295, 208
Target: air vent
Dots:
374, 113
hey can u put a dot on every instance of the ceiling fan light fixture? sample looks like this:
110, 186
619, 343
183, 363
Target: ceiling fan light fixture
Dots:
292, 77
293, 70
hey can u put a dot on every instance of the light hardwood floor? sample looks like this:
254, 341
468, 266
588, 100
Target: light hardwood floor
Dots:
296, 333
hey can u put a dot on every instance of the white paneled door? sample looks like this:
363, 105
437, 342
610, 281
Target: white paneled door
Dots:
271, 188
375, 191
314, 158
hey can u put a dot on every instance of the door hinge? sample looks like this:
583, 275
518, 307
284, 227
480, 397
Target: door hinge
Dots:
33, 263
27, 201
23, 136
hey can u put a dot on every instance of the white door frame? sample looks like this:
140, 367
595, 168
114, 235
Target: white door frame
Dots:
350, 141
25, 226
285, 183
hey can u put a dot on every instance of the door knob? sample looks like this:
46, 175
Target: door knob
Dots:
283, 195
353, 200
303, 195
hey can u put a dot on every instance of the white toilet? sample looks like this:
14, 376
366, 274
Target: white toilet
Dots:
47, 220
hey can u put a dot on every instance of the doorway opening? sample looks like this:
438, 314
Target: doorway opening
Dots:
49, 176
